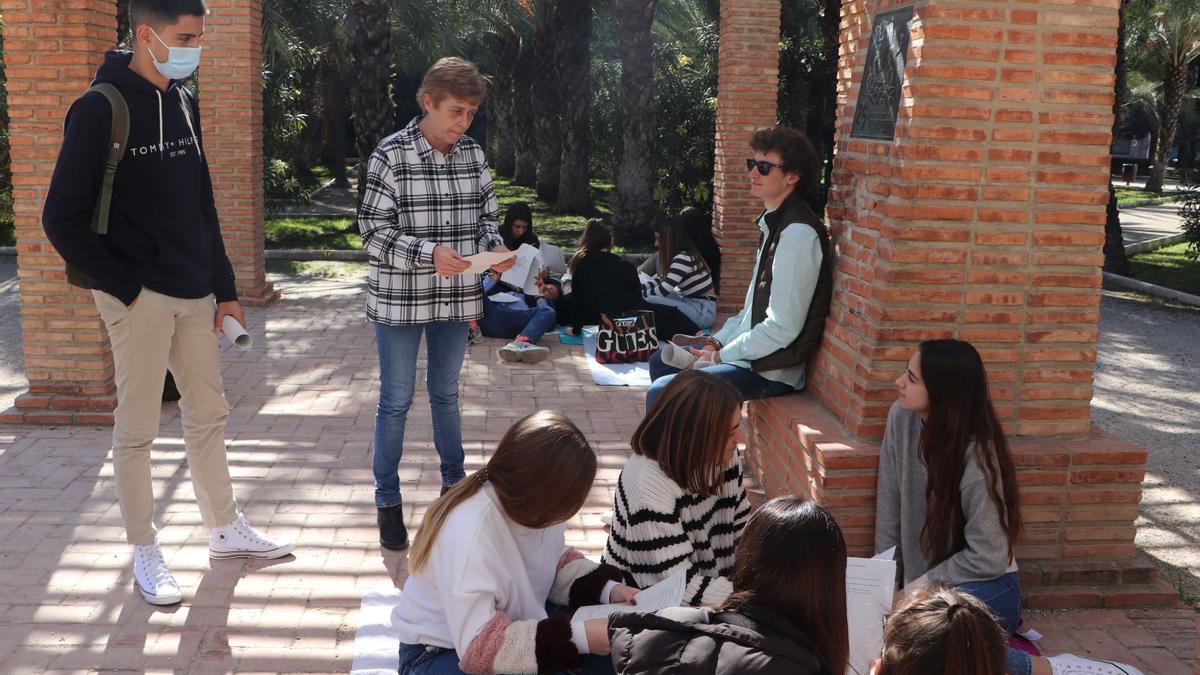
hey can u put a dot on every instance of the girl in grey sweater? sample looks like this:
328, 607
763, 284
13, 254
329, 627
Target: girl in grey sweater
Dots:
947, 493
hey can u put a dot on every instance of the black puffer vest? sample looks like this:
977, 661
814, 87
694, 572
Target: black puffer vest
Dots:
793, 210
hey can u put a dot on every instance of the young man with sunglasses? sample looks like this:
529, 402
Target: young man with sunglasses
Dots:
764, 350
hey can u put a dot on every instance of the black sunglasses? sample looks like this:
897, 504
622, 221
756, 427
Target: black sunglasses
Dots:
764, 167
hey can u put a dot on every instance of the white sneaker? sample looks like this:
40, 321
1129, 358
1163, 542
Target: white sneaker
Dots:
1070, 664
524, 352
154, 581
239, 540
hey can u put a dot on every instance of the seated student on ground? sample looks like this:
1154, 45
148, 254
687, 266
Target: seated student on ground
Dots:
947, 495
517, 227
491, 557
945, 631
680, 504
787, 615
764, 350
687, 284
524, 321
698, 227
602, 282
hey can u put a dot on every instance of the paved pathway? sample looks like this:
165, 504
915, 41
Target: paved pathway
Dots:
299, 447
1150, 222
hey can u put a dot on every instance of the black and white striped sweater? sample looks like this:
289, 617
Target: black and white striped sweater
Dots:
660, 529
687, 277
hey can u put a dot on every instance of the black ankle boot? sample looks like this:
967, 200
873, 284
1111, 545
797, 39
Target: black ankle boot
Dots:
392, 534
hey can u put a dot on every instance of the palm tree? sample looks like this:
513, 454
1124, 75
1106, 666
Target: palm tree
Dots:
505, 45
1114, 238
547, 98
370, 89
1174, 42
635, 208
572, 61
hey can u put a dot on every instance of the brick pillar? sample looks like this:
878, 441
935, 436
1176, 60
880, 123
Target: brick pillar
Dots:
747, 85
51, 51
983, 217
231, 112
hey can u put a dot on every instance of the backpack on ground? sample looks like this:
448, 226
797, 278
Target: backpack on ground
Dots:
118, 138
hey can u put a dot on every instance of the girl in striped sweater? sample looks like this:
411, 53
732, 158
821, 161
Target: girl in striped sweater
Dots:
683, 280
491, 559
680, 504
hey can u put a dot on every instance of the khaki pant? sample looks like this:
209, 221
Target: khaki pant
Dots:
160, 332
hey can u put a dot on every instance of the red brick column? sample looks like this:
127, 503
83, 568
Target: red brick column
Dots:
231, 112
51, 52
747, 84
983, 218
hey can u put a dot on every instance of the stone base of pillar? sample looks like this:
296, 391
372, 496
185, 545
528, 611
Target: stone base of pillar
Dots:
257, 297
69, 404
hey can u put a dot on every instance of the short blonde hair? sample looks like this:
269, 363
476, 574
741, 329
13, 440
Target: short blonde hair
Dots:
452, 76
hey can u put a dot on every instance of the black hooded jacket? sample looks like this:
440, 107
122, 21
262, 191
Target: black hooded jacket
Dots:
163, 232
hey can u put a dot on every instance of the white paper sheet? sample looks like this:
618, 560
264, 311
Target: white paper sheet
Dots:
552, 258
376, 644
525, 271
480, 262
503, 297
870, 587
666, 593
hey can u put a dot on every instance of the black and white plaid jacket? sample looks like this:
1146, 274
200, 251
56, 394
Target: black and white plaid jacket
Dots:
416, 199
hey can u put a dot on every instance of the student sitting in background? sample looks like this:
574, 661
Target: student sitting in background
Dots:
942, 630
698, 227
526, 319
517, 227
680, 504
787, 615
687, 284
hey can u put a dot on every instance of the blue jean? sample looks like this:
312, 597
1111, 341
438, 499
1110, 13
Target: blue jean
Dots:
749, 384
445, 342
424, 660
510, 319
1002, 595
702, 312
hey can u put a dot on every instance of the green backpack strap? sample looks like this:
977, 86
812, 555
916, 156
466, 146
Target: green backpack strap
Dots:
118, 139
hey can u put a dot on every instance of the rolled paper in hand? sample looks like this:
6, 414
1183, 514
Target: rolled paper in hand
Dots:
236, 333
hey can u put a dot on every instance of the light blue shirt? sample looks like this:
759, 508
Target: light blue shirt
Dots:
794, 270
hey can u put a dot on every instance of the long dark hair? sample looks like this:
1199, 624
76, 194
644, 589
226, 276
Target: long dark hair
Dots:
961, 414
539, 445
596, 237
673, 239
518, 211
792, 558
943, 630
699, 228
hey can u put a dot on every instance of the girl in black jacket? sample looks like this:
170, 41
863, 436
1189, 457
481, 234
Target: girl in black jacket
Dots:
786, 616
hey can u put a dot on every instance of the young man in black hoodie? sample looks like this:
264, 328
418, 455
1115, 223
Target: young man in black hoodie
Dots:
160, 277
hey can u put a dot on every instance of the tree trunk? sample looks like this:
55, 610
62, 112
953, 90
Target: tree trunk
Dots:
634, 211
506, 44
1114, 238
524, 138
1174, 87
826, 92
371, 87
547, 104
340, 178
573, 62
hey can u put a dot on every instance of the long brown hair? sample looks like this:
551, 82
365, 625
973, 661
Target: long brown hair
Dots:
945, 631
673, 239
596, 237
687, 431
961, 413
541, 471
792, 558
518, 211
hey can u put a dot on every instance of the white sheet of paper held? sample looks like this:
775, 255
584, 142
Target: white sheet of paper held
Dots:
522, 274
666, 593
870, 587
480, 262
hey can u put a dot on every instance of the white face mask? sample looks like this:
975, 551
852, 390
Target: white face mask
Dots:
181, 61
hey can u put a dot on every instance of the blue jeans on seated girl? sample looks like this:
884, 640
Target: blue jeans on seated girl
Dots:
1002, 595
702, 311
425, 660
510, 319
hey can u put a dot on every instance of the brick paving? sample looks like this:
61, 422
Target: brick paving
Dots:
299, 443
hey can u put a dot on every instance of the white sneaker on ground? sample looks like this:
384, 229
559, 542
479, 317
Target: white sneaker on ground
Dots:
1070, 664
154, 581
525, 352
239, 540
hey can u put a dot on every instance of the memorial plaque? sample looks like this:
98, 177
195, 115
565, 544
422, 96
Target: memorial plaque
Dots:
883, 77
